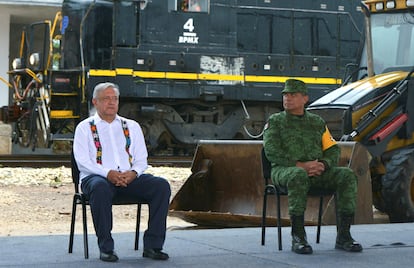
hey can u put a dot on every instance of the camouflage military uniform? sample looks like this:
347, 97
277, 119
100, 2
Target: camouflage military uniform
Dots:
290, 138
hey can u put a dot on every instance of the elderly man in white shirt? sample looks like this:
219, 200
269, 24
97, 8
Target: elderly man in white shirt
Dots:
111, 155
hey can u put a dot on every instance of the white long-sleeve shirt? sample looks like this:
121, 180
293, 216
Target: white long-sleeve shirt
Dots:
113, 141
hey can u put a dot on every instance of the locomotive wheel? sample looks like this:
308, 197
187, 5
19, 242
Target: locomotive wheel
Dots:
398, 187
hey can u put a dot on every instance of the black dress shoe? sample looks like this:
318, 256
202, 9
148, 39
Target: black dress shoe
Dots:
109, 256
155, 254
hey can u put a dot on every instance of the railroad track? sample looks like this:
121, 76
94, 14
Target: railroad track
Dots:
52, 161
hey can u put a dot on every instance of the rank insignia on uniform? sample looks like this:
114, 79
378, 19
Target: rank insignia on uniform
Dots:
327, 139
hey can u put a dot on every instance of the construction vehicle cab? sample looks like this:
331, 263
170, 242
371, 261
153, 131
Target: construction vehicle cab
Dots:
377, 111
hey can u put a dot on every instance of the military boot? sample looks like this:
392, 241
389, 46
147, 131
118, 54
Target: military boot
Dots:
299, 243
344, 239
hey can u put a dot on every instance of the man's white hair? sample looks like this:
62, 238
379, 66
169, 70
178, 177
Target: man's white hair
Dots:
102, 86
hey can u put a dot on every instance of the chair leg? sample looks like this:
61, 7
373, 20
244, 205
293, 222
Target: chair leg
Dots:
264, 217
279, 222
318, 232
336, 212
85, 231
137, 227
72, 224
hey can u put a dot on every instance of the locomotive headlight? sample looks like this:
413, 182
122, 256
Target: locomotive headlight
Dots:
34, 59
390, 4
17, 63
379, 6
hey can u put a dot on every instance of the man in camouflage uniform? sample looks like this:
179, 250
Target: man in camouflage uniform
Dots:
304, 155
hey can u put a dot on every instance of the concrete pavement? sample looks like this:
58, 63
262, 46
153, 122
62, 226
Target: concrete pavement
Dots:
385, 245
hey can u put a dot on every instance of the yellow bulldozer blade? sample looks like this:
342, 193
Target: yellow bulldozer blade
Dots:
226, 187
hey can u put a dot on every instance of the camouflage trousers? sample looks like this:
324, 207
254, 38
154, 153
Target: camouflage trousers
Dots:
340, 179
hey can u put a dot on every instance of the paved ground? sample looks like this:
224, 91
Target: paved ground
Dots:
385, 245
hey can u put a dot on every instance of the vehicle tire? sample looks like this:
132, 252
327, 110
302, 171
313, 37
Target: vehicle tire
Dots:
398, 187
377, 197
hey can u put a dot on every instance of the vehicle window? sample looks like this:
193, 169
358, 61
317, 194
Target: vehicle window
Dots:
397, 49
194, 5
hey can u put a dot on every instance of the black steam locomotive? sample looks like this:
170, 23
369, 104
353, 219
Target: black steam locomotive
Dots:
187, 69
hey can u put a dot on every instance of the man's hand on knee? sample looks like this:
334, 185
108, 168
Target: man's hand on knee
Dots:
312, 168
117, 178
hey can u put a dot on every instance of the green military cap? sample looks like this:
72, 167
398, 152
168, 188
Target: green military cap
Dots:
295, 86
